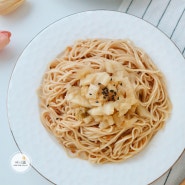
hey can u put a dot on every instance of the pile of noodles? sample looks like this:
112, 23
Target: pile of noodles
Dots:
103, 99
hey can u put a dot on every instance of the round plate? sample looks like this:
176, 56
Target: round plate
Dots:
47, 156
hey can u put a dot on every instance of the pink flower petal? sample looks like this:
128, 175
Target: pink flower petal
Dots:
4, 38
7, 33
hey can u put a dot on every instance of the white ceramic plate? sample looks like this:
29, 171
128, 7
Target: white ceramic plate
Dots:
47, 156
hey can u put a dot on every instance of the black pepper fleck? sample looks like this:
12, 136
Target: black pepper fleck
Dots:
105, 91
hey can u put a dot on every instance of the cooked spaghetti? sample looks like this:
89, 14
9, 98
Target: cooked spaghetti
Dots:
103, 100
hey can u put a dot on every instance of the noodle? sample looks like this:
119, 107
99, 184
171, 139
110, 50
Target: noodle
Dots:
103, 100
